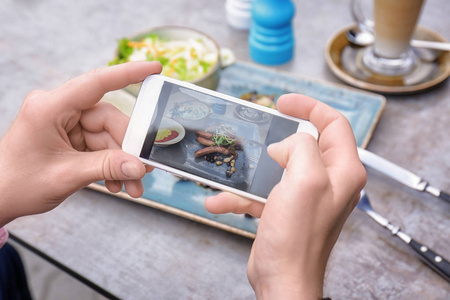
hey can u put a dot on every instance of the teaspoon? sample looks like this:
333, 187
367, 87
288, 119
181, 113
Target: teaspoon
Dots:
366, 38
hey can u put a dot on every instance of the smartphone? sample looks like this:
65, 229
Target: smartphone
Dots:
208, 137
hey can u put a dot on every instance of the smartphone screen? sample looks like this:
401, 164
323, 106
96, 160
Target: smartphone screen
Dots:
218, 140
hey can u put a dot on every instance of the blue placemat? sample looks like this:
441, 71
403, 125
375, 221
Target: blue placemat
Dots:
185, 198
361, 108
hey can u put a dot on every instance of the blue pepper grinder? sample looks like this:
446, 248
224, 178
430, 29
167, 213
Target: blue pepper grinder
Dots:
271, 39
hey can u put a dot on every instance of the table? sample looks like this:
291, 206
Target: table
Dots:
130, 251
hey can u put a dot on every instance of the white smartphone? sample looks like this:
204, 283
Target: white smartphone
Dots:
208, 137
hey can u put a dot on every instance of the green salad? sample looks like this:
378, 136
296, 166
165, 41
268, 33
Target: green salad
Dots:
181, 59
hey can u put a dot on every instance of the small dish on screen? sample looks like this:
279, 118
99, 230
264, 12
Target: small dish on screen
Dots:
170, 132
251, 115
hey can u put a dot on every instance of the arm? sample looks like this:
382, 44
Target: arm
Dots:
306, 211
63, 140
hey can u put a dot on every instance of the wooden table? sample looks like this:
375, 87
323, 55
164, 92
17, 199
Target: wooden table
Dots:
131, 251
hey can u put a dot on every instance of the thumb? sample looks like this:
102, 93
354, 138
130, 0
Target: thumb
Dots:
109, 165
299, 144
282, 151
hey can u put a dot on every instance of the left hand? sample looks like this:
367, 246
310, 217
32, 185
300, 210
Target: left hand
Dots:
63, 140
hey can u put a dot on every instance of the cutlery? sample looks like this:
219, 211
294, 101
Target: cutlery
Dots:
366, 38
431, 258
400, 174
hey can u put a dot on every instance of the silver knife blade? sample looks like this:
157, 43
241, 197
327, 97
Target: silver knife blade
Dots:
399, 174
392, 170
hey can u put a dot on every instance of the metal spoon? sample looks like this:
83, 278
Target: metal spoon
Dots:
360, 37
365, 38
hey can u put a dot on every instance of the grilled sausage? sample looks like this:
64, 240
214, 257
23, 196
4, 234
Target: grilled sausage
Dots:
205, 142
211, 149
204, 134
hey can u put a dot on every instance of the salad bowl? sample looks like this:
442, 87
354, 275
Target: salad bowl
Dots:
185, 53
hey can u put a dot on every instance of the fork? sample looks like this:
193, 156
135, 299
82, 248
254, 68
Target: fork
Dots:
431, 258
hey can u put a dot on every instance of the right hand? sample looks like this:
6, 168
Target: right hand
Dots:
306, 211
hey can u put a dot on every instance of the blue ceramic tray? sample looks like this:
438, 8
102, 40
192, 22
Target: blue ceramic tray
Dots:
185, 198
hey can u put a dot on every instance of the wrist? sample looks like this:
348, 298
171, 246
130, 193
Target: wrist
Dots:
3, 236
287, 293
6, 208
6, 215
307, 287
299, 277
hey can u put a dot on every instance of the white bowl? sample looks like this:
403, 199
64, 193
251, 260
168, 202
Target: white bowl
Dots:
170, 124
208, 80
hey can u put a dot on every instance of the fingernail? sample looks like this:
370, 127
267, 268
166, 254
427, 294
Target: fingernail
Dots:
130, 170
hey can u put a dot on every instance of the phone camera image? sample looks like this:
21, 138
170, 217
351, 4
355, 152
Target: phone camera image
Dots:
221, 141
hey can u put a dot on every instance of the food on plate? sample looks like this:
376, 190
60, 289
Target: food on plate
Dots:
165, 135
169, 133
261, 99
204, 134
210, 150
181, 59
191, 110
220, 147
204, 141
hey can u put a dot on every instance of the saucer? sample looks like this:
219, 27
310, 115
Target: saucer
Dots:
251, 115
345, 62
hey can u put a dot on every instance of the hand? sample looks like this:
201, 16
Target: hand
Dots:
63, 140
305, 212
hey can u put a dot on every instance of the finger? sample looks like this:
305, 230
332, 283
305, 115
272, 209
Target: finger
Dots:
299, 154
104, 117
98, 141
304, 107
108, 165
298, 145
230, 203
148, 168
83, 140
134, 188
337, 141
114, 186
84, 91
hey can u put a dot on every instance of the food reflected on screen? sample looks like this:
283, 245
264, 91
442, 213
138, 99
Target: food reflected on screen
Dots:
190, 110
227, 146
253, 115
169, 133
261, 99
220, 147
165, 135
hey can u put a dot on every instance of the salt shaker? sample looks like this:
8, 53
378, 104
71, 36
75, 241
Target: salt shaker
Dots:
220, 107
239, 13
271, 38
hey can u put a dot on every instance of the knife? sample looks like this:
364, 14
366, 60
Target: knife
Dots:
400, 174
437, 262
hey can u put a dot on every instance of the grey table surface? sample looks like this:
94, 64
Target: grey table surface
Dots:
136, 252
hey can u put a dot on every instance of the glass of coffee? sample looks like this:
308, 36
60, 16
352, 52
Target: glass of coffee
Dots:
394, 25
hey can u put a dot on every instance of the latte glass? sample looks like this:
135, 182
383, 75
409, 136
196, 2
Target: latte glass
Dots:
394, 25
